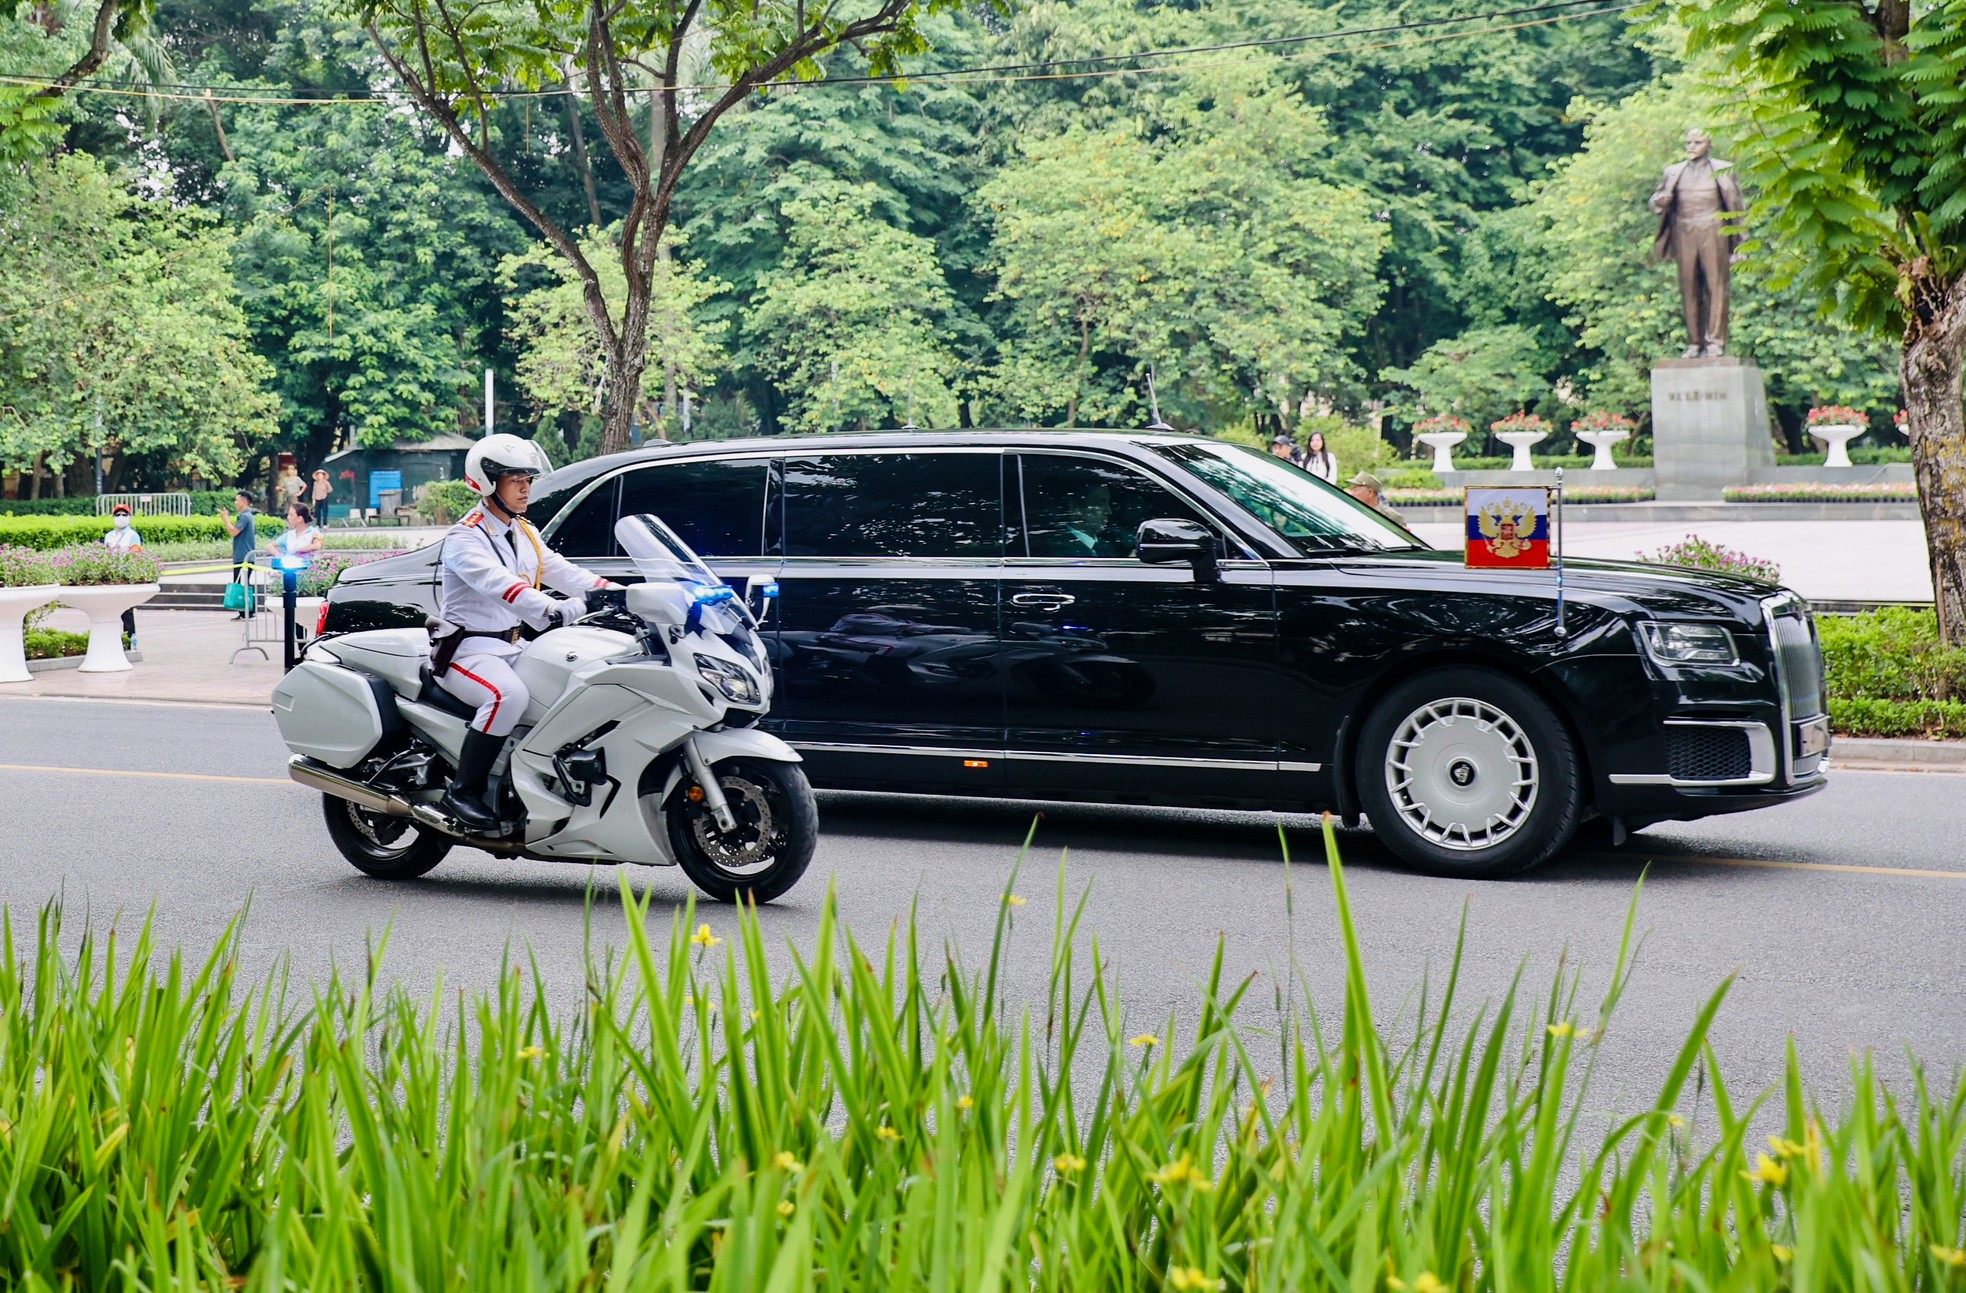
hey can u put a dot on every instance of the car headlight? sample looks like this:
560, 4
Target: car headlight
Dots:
738, 687
1675, 644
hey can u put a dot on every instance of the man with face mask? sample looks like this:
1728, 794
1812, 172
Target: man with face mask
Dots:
124, 538
493, 567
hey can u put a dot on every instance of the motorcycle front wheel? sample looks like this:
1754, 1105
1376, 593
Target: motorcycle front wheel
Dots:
777, 829
376, 844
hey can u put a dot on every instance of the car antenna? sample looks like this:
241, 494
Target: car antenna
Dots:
909, 425
1153, 402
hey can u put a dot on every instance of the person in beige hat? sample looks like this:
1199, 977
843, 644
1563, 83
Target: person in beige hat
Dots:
1367, 489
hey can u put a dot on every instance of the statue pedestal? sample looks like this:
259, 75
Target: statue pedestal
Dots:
1709, 427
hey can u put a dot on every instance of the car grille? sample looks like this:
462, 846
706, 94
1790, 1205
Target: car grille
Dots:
1708, 754
1801, 662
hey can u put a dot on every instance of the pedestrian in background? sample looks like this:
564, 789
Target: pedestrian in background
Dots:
244, 529
317, 495
1284, 447
124, 538
1320, 461
300, 538
1365, 487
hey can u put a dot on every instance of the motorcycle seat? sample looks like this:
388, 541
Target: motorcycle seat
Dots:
435, 696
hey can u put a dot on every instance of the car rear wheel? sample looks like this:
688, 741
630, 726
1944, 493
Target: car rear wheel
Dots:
1467, 772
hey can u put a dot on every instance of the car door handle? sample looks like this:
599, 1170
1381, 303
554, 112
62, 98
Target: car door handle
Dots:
1049, 601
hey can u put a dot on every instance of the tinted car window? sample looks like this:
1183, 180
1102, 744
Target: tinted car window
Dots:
588, 530
894, 505
1090, 507
716, 505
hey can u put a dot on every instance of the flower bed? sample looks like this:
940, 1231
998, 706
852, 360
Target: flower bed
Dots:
94, 564
1700, 554
320, 577
1582, 495
1797, 492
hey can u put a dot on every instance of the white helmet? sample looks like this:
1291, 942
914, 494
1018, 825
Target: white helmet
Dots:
502, 454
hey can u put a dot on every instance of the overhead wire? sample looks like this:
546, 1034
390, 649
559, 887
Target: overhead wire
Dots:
1559, 11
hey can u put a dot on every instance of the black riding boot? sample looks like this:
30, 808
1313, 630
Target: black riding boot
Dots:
465, 800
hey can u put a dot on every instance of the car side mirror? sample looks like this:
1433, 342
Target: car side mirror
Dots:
1166, 540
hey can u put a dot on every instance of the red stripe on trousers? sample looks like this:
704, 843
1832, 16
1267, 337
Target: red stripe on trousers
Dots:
496, 697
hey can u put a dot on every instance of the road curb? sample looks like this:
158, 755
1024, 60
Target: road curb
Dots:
1870, 752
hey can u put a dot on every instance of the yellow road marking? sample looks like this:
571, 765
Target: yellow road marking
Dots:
1771, 864
128, 772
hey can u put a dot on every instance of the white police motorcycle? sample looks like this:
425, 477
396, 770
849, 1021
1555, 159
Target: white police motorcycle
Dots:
638, 745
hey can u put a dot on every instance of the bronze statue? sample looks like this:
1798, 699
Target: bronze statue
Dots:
1689, 203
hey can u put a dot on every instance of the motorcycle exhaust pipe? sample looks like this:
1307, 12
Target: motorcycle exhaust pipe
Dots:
330, 782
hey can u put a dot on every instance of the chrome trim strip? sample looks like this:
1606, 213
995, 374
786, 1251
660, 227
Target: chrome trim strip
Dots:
1762, 763
1770, 608
1046, 756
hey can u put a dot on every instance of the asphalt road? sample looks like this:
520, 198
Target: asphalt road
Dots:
1839, 915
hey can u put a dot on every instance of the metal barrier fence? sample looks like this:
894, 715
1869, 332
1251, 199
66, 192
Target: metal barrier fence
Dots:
264, 629
156, 504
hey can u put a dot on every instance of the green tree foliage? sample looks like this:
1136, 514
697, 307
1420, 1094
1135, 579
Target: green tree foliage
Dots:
1483, 374
120, 330
562, 368
853, 322
1591, 224
64, 42
1199, 242
1857, 155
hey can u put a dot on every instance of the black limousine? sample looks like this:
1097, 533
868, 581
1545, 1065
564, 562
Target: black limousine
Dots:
1168, 619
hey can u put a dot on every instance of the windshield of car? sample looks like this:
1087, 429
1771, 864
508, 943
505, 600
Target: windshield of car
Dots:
1311, 516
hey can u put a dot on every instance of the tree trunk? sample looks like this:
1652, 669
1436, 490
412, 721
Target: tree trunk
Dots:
580, 156
624, 391
1935, 348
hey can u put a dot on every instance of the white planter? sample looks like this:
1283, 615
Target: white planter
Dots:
307, 613
1602, 441
15, 603
1442, 443
1520, 442
1836, 438
104, 604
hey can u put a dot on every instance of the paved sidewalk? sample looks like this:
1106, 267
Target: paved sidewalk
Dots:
187, 656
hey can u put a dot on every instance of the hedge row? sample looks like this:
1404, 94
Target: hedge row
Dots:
1889, 675
202, 501
47, 532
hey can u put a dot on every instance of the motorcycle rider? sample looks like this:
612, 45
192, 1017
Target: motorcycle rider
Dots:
493, 566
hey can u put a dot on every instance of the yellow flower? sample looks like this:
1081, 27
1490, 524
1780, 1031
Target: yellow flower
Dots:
1768, 1170
1182, 1171
1782, 1252
1950, 1256
1564, 1029
786, 1207
1190, 1277
1786, 1148
964, 1103
786, 1161
1012, 900
1068, 1163
1429, 1283
704, 938
886, 1132
1145, 1039
1674, 1120
531, 1053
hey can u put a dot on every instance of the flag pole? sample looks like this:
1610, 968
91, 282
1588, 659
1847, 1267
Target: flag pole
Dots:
1561, 631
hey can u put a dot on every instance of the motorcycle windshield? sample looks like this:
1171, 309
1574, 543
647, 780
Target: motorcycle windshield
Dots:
661, 556
658, 552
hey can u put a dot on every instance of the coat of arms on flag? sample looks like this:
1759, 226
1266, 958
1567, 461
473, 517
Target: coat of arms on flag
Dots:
1508, 527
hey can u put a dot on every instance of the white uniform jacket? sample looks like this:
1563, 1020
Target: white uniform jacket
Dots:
492, 573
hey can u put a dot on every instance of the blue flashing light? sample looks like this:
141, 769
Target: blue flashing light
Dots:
290, 562
768, 589
714, 593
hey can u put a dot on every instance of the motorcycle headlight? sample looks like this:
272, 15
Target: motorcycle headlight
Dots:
1676, 644
738, 687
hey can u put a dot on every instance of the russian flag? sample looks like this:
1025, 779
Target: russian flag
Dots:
1508, 528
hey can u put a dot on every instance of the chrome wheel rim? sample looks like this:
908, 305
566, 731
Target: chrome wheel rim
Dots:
1462, 774
756, 842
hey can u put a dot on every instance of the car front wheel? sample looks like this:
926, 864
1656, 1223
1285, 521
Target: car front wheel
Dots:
1467, 772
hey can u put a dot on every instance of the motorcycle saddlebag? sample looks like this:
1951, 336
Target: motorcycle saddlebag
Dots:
333, 714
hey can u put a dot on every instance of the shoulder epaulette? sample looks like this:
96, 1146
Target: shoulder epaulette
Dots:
473, 517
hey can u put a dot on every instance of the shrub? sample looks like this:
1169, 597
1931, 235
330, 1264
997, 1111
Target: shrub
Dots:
1699, 554
55, 644
442, 501
318, 578
703, 1123
47, 532
1889, 675
95, 563
1581, 496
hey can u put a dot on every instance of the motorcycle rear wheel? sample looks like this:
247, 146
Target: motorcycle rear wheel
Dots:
376, 844
777, 829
